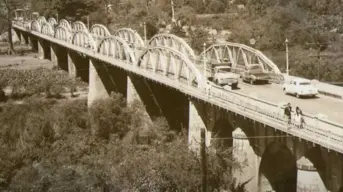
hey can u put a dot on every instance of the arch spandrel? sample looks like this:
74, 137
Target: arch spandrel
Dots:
62, 33
173, 41
130, 36
117, 48
47, 29
240, 56
100, 30
79, 26
35, 26
52, 21
41, 20
172, 64
65, 23
83, 39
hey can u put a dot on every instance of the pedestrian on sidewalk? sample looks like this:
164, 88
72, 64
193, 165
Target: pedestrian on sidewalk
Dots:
288, 114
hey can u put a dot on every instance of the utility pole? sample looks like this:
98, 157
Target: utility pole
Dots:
173, 13
321, 45
203, 161
144, 25
88, 22
287, 64
204, 58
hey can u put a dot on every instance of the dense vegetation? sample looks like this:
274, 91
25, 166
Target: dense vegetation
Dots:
49, 146
306, 24
62, 145
29, 82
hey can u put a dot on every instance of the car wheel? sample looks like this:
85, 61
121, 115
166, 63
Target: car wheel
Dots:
217, 82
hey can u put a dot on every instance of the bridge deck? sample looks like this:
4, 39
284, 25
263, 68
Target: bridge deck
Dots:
329, 106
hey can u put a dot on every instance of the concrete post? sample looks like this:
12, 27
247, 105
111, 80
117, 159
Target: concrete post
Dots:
71, 66
40, 50
96, 89
195, 125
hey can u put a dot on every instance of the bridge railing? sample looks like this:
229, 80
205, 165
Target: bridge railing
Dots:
326, 130
323, 131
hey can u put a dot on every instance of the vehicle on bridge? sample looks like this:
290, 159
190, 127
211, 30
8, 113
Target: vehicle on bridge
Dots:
255, 73
300, 87
221, 74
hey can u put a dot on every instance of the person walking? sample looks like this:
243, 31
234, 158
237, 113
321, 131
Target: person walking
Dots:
288, 114
297, 117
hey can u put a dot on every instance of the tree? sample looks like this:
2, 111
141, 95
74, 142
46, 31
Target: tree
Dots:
7, 8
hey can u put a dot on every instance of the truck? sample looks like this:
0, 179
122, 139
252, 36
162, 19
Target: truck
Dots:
254, 73
221, 74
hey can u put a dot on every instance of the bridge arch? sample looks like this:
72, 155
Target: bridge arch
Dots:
171, 40
47, 29
62, 33
170, 63
130, 36
83, 39
312, 164
35, 26
241, 56
116, 47
41, 20
52, 21
100, 30
65, 23
278, 169
79, 26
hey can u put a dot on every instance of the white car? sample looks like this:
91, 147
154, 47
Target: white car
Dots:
300, 87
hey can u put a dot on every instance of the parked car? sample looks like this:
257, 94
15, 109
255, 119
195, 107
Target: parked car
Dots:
255, 73
300, 87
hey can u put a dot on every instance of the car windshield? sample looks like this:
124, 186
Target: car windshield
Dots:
224, 70
304, 83
255, 68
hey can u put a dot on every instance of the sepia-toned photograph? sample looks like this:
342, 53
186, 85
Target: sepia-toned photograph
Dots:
171, 96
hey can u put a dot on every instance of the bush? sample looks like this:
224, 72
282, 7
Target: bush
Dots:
198, 38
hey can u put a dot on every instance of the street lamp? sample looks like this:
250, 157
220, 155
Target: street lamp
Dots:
204, 58
173, 13
87, 22
144, 26
287, 64
57, 18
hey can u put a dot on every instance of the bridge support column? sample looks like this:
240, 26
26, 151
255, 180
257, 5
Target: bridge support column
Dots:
71, 66
40, 50
53, 55
245, 155
131, 91
97, 88
308, 177
194, 128
22, 39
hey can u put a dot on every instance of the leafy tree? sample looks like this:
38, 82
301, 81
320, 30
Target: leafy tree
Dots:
7, 8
